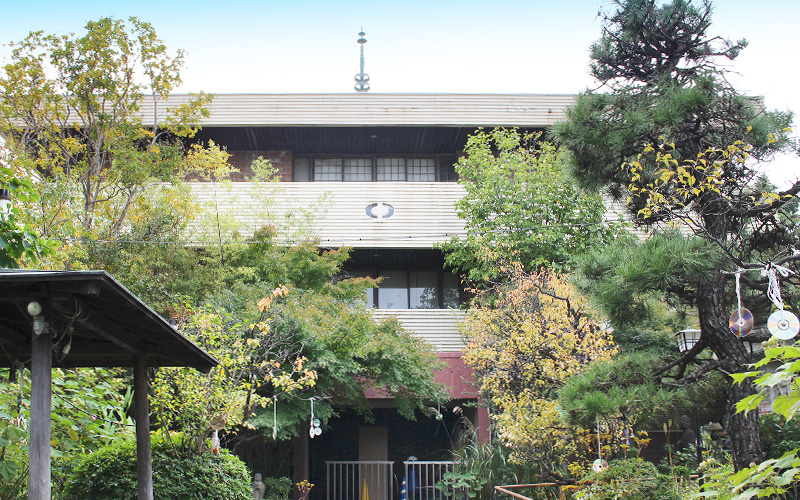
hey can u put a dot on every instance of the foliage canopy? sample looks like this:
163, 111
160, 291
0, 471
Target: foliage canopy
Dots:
520, 207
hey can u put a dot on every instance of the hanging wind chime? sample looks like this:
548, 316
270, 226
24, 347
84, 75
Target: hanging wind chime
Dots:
314, 430
274, 418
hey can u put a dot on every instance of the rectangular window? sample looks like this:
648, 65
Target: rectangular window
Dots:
327, 169
423, 290
393, 291
370, 292
391, 169
421, 169
447, 169
358, 169
302, 170
413, 289
374, 168
450, 293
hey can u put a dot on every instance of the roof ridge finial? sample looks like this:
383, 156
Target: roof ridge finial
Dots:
362, 78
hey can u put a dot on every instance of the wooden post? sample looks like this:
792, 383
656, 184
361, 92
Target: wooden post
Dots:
144, 463
301, 456
41, 394
483, 422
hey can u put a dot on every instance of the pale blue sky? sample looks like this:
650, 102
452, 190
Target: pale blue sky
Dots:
487, 46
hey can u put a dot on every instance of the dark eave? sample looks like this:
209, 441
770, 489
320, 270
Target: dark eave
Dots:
103, 322
338, 140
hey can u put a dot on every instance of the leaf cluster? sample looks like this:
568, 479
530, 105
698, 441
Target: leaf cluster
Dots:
665, 85
632, 478
624, 390
630, 279
520, 207
70, 113
19, 243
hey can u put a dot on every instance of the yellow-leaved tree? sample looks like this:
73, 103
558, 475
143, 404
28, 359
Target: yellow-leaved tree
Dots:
523, 347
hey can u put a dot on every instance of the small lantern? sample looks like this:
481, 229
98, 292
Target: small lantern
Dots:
687, 338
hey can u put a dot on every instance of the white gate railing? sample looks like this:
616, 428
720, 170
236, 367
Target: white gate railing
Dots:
359, 480
421, 479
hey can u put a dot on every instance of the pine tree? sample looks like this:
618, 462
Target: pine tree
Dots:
671, 136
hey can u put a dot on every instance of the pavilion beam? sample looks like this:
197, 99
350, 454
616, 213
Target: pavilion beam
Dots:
41, 394
144, 461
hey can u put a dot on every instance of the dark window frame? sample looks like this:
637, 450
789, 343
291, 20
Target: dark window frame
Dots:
440, 166
440, 284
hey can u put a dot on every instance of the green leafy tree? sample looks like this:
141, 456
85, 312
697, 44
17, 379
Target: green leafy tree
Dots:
660, 77
622, 394
672, 119
19, 244
286, 329
520, 207
70, 113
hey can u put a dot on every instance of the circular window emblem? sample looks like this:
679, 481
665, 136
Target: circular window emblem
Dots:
380, 210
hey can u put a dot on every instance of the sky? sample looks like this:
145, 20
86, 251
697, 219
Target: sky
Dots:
465, 46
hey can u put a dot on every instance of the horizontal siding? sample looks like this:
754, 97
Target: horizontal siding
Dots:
438, 327
526, 110
424, 211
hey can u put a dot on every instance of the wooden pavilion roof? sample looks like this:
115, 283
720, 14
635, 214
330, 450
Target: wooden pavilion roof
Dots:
94, 320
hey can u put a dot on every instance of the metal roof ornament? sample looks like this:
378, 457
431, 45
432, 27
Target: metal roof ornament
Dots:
362, 78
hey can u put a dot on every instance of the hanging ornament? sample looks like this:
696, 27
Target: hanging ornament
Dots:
783, 325
741, 321
314, 430
274, 418
599, 465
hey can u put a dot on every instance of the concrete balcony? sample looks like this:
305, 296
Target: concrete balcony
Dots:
422, 213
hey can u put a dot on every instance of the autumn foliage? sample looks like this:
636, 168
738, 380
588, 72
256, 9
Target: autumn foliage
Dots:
523, 348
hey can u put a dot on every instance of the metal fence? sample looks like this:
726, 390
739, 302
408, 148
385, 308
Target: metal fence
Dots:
359, 480
375, 480
421, 479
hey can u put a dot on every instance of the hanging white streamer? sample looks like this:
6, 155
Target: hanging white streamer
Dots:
599, 451
274, 418
739, 296
774, 289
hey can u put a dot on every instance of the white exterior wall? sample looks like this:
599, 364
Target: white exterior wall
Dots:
472, 110
423, 211
439, 327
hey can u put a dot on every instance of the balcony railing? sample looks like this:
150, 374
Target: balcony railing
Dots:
439, 327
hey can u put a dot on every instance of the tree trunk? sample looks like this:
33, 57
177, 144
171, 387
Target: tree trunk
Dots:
744, 429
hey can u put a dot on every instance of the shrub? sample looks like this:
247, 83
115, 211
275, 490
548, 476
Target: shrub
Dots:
277, 488
779, 436
110, 473
632, 479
